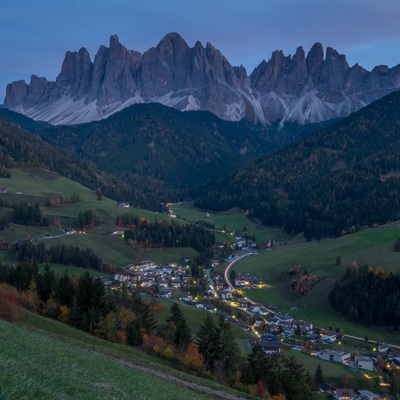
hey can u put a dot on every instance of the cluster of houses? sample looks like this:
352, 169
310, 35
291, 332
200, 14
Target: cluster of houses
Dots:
247, 281
148, 275
349, 394
243, 243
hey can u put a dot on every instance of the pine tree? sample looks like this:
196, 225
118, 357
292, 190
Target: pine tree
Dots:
208, 342
319, 376
46, 282
144, 314
65, 290
228, 346
176, 321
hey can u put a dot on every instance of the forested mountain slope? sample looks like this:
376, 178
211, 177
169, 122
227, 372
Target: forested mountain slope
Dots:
21, 149
329, 183
160, 154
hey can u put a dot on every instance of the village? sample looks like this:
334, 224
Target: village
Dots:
275, 331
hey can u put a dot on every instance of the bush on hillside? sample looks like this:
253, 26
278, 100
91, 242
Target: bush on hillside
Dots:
9, 303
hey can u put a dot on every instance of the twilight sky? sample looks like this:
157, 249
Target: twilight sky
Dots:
34, 35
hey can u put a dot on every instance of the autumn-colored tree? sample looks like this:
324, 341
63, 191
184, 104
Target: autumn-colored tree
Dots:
261, 389
29, 299
153, 343
121, 337
98, 194
113, 326
50, 308
192, 358
106, 327
9, 303
169, 353
64, 314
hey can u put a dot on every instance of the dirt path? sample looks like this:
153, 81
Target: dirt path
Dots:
172, 378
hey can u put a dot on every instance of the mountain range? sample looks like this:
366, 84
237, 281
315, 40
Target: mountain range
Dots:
339, 179
300, 88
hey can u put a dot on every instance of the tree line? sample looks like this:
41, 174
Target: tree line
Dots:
22, 214
61, 254
170, 234
144, 233
369, 296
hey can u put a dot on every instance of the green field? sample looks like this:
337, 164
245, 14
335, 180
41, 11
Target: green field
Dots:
373, 247
43, 359
72, 270
35, 184
229, 222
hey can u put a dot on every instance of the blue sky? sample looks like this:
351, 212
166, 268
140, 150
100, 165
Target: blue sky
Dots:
34, 35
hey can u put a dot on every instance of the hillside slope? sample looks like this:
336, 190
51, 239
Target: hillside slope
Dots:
331, 182
44, 359
21, 149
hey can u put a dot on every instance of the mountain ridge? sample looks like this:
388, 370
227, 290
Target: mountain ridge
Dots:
302, 88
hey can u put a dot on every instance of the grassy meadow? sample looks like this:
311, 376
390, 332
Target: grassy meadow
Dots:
372, 246
231, 221
35, 185
43, 359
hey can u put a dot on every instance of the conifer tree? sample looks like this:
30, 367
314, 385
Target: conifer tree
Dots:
228, 346
319, 377
208, 342
176, 321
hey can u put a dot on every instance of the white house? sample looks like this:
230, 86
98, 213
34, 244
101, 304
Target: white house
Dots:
240, 281
227, 294
332, 355
364, 362
329, 338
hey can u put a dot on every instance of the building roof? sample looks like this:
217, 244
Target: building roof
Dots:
270, 344
368, 394
345, 392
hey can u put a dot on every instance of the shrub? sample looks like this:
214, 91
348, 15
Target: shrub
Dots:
9, 303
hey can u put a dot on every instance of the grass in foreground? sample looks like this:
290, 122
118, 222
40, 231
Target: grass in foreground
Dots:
43, 359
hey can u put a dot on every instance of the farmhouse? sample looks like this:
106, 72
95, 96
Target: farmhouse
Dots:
244, 304
345, 394
332, 355
270, 344
240, 281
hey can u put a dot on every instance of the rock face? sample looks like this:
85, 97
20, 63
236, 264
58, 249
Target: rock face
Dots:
302, 88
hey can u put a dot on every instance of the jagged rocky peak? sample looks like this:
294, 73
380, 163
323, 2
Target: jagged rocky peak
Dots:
315, 58
304, 87
172, 43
